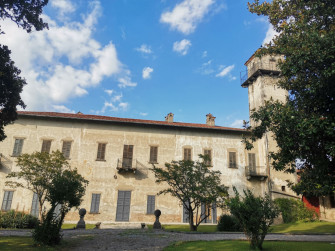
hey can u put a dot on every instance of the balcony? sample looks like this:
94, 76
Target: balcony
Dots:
128, 165
256, 69
257, 173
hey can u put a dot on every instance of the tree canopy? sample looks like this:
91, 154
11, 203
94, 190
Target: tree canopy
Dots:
26, 14
304, 125
194, 185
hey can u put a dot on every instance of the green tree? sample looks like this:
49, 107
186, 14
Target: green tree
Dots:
54, 182
26, 14
304, 125
255, 215
193, 184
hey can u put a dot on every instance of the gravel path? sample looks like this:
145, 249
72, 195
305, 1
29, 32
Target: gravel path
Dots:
137, 239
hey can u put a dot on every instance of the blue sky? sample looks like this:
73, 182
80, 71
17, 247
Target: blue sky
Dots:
140, 58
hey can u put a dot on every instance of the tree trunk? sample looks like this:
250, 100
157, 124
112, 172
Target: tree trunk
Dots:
191, 221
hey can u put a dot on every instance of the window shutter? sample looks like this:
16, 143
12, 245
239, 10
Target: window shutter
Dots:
209, 153
7, 200
66, 149
214, 212
101, 151
232, 160
252, 160
95, 203
185, 213
151, 204
123, 206
153, 154
35, 206
17, 147
46, 146
187, 154
127, 156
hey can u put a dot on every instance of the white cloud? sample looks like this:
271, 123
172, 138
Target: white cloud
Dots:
186, 15
114, 105
64, 6
143, 114
144, 49
204, 54
182, 46
146, 73
63, 62
270, 34
126, 82
206, 68
237, 123
62, 108
225, 71
109, 92
123, 106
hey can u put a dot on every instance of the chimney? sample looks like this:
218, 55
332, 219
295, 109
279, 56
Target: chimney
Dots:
210, 120
169, 117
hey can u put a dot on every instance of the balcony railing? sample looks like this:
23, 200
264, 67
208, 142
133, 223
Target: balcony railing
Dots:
270, 67
128, 165
258, 172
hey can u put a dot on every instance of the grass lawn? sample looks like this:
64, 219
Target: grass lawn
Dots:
244, 245
71, 226
318, 227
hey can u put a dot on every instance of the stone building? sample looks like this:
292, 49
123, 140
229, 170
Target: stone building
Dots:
115, 155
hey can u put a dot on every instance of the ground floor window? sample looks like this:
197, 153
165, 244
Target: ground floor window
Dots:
34, 206
7, 200
151, 204
95, 203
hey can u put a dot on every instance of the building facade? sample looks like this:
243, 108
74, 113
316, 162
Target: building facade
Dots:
115, 155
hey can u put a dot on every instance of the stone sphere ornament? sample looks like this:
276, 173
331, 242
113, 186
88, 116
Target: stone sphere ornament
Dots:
81, 223
157, 224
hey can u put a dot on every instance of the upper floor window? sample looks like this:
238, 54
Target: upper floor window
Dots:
187, 154
153, 154
252, 161
101, 151
232, 160
208, 153
17, 150
66, 149
127, 160
46, 145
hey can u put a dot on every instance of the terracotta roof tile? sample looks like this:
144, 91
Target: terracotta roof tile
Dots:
123, 120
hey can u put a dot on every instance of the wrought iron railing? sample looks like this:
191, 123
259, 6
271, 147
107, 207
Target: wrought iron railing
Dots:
128, 165
255, 171
270, 66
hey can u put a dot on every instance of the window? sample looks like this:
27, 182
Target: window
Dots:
283, 188
187, 154
101, 151
127, 156
46, 146
95, 203
207, 152
66, 149
185, 212
151, 204
153, 154
17, 147
7, 200
252, 161
34, 206
232, 160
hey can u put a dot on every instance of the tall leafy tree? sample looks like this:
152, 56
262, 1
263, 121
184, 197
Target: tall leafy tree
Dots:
303, 126
194, 185
26, 14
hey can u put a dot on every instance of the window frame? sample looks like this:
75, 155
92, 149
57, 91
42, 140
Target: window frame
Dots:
187, 148
16, 154
69, 150
232, 164
152, 159
44, 141
95, 208
101, 155
6, 206
151, 198
210, 164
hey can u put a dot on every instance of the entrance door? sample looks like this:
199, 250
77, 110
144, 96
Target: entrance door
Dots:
123, 206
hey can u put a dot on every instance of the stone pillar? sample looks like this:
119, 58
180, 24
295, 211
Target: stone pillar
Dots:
157, 224
81, 223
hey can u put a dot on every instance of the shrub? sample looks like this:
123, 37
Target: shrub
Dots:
255, 215
47, 233
15, 219
228, 223
294, 210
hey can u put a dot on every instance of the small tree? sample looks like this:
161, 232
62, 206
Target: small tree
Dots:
193, 184
255, 214
50, 177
